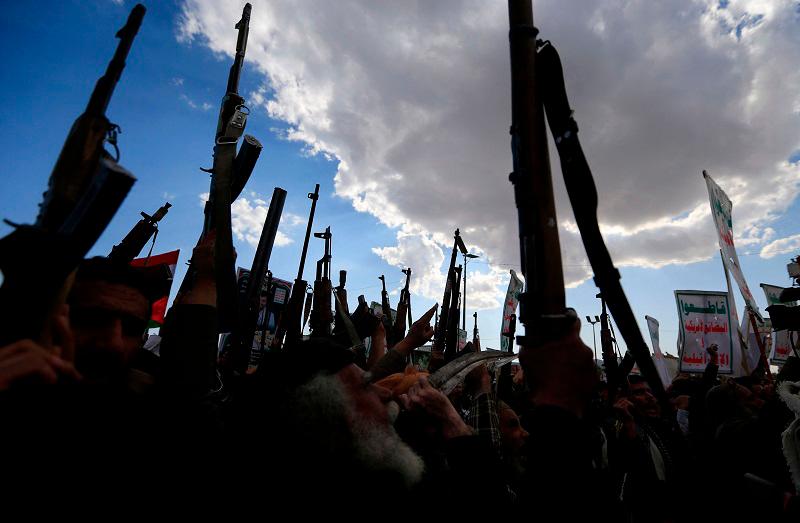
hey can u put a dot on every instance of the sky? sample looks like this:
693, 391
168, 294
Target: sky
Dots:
400, 111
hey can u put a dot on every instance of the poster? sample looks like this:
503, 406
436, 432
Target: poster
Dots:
704, 319
515, 287
781, 346
658, 356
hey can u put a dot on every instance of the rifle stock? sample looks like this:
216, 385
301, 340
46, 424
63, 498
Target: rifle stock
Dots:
542, 306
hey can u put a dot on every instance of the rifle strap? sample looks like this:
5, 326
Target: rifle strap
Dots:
152, 244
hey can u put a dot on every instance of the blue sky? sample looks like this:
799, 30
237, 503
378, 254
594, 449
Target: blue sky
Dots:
167, 102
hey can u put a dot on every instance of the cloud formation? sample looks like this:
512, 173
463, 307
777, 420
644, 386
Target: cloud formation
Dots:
788, 245
413, 99
248, 217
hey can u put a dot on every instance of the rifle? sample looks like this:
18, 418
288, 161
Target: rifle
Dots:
453, 316
341, 308
265, 322
386, 308
291, 320
85, 189
475, 337
403, 312
321, 317
538, 87
247, 319
606, 344
133, 243
439, 342
229, 175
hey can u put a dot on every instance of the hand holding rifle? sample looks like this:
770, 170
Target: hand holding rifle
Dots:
419, 334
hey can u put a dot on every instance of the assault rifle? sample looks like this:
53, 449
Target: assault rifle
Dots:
133, 243
321, 314
85, 189
398, 331
291, 321
386, 308
537, 86
229, 174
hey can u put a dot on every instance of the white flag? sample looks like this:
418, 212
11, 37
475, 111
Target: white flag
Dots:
658, 357
721, 211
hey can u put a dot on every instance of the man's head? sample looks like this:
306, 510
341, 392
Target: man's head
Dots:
337, 419
109, 310
641, 395
514, 437
262, 300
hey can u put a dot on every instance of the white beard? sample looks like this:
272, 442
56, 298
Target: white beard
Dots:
379, 447
323, 402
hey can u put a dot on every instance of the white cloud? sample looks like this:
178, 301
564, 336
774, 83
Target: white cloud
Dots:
788, 245
247, 220
168, 196
205, 106
177, 81
413, 100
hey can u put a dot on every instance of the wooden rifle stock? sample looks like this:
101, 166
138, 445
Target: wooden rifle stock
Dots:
542, 308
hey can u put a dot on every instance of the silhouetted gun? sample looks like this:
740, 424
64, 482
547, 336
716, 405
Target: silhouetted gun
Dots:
133, 243
85, 189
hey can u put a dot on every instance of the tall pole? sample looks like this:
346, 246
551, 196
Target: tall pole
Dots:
464, 299
594, 339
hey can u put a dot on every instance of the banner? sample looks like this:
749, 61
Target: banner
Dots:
704, 319
658, 357
721, 212
515, 287
282, 288
462, 339
166, 263
781, 346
